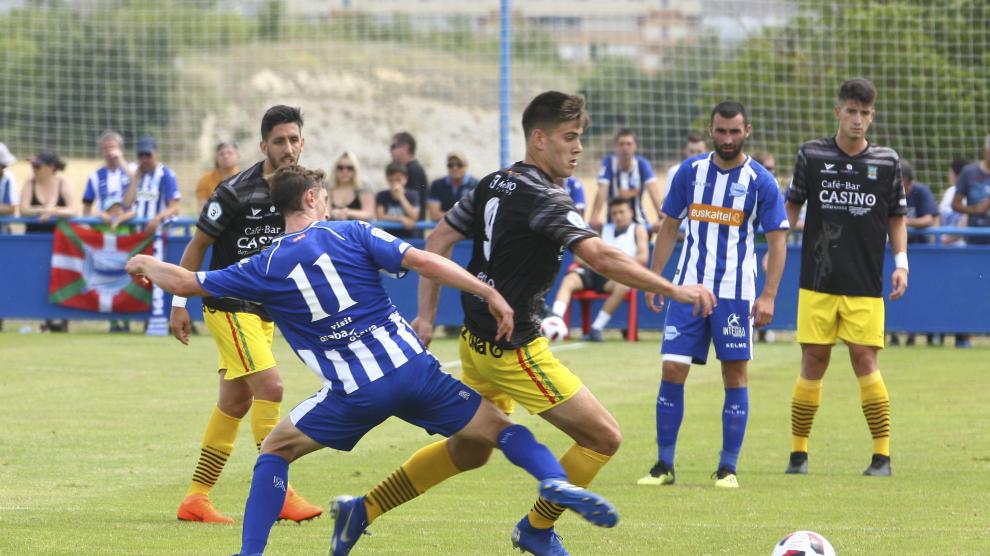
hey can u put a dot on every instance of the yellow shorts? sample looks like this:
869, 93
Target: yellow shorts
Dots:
823, 317
244, 341
530, 375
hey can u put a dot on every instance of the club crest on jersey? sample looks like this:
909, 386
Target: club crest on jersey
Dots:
737, 190
871, 172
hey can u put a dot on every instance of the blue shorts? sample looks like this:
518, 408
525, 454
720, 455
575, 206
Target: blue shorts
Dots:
418, 392
686, 337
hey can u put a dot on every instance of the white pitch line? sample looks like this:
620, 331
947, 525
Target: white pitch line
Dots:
457, 363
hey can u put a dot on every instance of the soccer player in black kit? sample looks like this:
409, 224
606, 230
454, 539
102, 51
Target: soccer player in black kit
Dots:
855, 201
520, 222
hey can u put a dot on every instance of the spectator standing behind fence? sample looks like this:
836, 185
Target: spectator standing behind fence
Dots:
629, 237
922, 212
398, 203
225, 160
153, 196
948, 216
764, 335
403, 150
106, 186
625, 175
973, 195
446, 191
8, 207
7, 185
49, 197
349, 198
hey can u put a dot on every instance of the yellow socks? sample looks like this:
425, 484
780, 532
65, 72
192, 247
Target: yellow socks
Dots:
264, 417
804, 404
218, 442
581, 465
876, 409
427, 467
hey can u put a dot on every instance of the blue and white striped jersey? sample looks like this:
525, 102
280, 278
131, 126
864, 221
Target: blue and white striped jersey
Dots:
323, 288
106, 187
8, 193
155, 190
722, 208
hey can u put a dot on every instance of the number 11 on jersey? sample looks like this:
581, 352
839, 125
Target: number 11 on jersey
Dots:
344, 300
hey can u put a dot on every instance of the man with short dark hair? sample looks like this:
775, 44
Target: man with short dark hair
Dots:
446, 191
724, 196
625, 175
519, 220
855, 202
973, 195
153, 196
238, 221
320, 279
403, 149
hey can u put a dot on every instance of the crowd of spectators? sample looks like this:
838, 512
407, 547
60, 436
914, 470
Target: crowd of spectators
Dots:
120, 190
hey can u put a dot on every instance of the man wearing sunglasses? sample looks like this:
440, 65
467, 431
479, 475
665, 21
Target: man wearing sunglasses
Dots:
446, 191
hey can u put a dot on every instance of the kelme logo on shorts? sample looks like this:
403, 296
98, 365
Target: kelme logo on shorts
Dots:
716, 215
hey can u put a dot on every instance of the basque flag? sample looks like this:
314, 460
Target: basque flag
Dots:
88, 270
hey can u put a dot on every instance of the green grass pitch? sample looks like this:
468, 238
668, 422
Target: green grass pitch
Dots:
100, 434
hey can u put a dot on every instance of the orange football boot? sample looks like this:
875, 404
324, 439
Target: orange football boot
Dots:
297, 509
197, 507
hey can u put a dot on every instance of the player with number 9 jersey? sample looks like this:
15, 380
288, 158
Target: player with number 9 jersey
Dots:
520, 222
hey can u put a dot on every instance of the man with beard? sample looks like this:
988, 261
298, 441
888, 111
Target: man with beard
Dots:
725, 195
856, 200
239, 220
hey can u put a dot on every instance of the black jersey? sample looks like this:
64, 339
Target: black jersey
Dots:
242, 220
520, 223
850, 199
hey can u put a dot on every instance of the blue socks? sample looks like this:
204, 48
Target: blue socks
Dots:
264, 503
521, 448
735, 412
670, 413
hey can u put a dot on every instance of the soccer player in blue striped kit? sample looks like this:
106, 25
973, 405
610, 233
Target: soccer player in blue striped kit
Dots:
724, 195
321, 284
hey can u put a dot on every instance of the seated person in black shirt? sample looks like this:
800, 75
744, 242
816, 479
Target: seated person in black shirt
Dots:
397, 204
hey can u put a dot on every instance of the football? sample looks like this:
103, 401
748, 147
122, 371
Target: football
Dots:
803, 543
553, 328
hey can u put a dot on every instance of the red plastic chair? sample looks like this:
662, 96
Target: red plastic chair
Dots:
585, 297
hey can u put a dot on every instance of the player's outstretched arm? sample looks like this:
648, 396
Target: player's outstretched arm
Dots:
440, 241
618, 266
441, 270
169, 277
